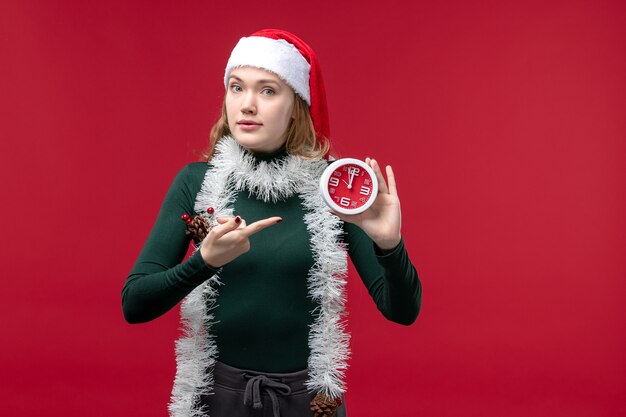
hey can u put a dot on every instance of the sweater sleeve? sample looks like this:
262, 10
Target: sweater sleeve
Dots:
391, 279
158, 280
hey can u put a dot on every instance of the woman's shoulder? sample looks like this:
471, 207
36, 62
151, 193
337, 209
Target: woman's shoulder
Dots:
190, 177
186, 185
193, 172
197, 167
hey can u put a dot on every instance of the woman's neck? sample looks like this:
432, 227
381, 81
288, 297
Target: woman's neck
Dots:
268, 156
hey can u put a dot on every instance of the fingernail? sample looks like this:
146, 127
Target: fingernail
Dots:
279, 220
237, 219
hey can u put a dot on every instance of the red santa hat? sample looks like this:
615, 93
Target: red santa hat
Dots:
294, 61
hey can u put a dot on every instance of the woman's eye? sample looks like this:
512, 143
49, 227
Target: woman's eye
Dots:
235, 88
268, 92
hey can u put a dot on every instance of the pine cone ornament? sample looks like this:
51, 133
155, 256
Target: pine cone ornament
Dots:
323, 406
197, 227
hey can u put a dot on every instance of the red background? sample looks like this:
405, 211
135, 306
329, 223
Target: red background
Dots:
505, 125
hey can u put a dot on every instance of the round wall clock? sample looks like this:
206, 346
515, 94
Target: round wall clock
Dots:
349, 186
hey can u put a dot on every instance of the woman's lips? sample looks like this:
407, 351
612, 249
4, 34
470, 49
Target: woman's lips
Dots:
248, 125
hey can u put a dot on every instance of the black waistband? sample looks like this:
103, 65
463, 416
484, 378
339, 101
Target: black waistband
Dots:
237, 379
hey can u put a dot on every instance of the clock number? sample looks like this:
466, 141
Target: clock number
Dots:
345, 201
365, 190
334, 181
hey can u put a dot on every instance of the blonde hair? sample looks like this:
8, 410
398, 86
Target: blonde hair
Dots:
301, 138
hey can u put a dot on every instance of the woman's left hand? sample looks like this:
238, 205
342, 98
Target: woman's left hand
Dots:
382, 221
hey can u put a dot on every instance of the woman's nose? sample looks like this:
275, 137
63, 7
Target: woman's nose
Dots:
248, 105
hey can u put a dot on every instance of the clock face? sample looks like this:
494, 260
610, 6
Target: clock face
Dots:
349, 186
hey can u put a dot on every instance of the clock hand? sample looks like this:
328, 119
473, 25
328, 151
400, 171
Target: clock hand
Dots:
351, 173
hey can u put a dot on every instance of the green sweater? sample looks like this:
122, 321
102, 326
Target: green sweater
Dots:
264, 310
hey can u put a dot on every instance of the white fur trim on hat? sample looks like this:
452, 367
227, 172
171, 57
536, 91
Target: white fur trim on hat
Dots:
275, 55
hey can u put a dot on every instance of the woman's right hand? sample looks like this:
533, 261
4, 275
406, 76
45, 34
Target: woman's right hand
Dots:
230, 239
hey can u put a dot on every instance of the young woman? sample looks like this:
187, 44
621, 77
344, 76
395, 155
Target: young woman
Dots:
263, 293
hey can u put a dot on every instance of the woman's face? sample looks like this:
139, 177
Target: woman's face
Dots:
259, 108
